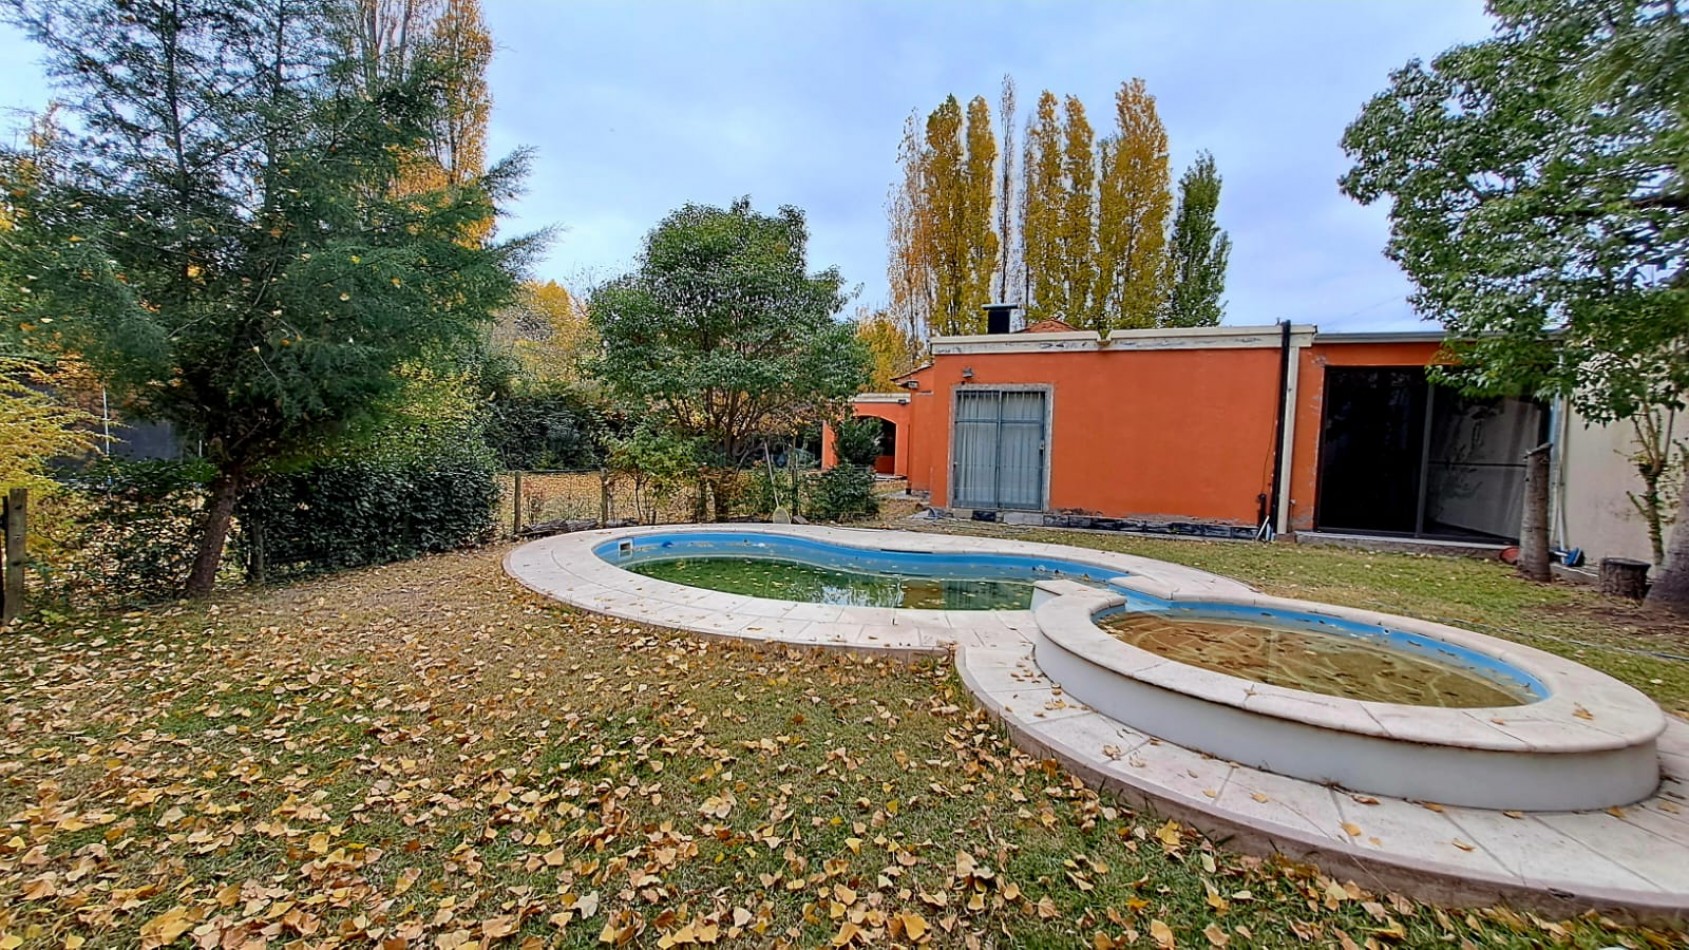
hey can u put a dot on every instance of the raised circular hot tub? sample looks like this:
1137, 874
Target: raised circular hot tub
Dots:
1361, 700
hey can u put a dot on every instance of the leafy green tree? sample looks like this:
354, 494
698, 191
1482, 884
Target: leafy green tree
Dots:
1198, 252
220, 233
723, 336
1537, 183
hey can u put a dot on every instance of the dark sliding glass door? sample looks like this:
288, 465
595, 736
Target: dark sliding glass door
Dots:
1399, 455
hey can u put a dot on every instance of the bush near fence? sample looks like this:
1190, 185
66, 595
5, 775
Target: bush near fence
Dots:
345, 513
121, 532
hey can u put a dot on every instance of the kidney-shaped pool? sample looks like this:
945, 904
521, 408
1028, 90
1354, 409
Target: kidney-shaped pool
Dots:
1334, 695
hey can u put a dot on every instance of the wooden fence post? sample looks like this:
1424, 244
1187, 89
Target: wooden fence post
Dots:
15, 523
516, 506
603, 499
1533, 521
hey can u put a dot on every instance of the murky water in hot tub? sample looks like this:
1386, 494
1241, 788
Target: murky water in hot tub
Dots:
1333, 664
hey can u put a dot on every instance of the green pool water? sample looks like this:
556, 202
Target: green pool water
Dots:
786, 580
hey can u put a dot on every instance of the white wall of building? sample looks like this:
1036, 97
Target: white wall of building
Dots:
1592, 510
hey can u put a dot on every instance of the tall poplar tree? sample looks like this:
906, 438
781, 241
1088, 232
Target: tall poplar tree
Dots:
460, 38
221, 234
979, 238
1196, 259
1006, 237
1132, 207
1076, 217
910, 266
944, 246
1040, 211
944, 197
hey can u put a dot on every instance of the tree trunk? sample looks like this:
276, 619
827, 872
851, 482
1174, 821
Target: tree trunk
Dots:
1533, 522
1671, 579
219, 511
1624, 577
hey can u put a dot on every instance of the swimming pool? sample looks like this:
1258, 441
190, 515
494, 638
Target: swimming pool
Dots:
1556, 736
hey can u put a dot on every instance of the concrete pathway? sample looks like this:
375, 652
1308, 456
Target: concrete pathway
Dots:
1632, 860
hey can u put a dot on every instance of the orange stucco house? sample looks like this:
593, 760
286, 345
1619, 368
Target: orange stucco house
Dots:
1219, 431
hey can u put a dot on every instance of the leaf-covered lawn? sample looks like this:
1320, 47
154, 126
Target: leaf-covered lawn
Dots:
426, 755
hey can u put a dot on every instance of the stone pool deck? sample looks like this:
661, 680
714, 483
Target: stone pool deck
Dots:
1632, 860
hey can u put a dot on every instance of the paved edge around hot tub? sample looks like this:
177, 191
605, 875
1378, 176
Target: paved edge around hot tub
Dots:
1632, 860
1590, 743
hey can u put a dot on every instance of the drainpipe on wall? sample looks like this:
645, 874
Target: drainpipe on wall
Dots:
1276, 498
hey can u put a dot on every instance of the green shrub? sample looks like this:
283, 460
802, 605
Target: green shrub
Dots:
844, 492
546, 428
857, 441
344, 513
130, 531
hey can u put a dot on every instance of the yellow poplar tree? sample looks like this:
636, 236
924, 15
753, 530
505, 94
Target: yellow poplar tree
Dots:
548, 332
1134, 200
1040, 212
978, 237
909, 265
388, 38
1075, 226
1006, 196
944, 190
893, 351
460, 35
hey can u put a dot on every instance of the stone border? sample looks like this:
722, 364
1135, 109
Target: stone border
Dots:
1590, 743
565, 568
1632, 860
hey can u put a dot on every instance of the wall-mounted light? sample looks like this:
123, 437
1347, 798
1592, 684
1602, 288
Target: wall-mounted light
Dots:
967, 372
911, 384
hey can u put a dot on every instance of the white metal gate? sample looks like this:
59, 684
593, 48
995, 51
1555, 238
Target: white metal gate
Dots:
997, 449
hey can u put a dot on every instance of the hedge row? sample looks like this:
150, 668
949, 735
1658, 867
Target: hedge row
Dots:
344, 513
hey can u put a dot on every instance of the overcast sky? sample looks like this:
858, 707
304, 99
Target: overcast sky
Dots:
635, 108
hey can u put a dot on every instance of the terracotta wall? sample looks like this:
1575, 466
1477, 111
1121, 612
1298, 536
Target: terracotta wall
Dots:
896, 413
1173, 433
1310, 402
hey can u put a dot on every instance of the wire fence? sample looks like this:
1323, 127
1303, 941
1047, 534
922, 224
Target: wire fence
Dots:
546, 502
549, 502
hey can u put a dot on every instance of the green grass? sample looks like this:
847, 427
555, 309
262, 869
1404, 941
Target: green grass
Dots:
427, 752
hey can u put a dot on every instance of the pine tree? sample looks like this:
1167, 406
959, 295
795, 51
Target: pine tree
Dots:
979, 239
1134, 200
222, 236
1040, 212
1196, 261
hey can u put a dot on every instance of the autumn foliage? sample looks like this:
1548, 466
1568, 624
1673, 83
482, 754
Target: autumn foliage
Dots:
1070, 226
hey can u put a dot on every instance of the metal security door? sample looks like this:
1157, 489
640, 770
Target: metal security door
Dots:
997, 459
